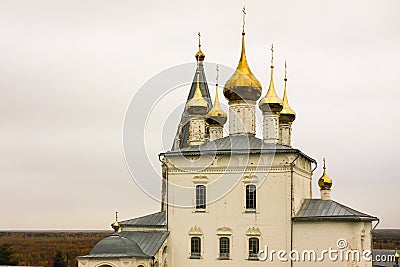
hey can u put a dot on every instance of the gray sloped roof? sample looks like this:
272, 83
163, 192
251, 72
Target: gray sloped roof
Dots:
183, 128
158, 219
116, 246
149, 241
236, 144
318, 209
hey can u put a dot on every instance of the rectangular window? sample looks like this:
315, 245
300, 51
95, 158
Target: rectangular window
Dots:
224, 248
253, 248
200, 197
195, 247
250, 197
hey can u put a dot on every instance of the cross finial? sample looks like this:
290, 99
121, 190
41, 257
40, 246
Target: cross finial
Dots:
244, 17
272, 58
217, 69
116, 216
324, 164
199, 39
285, 71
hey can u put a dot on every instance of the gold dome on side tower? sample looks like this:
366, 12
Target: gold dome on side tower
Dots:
242, 85
271, 101
197, 105
287, 113
325, 183
216, 114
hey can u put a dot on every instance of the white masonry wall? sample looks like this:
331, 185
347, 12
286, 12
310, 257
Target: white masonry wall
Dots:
226, 215
322, 235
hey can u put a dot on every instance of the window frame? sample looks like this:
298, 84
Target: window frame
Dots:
253, 256
224, 255
200, 203
248, 201
195, 255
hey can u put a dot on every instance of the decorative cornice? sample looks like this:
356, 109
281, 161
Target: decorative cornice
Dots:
248, 169
253, 231
195, 230
200, 179
250, 178
224, 230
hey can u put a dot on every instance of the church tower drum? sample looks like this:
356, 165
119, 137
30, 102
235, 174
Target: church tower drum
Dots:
216, 118
242, 90
270, 106
286, 118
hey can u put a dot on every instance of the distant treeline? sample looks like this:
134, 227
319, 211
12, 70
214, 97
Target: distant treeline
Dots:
39, 248
386, 238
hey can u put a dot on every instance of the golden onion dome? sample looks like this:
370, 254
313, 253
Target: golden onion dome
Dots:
287, 113
199, 55
216, 114
325, 183
271, 101
116, 224
197, 105
242, 85
396, 254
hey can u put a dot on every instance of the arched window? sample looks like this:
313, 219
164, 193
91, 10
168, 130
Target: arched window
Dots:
200, 197
224, 248
195, 247
141, 265
254, 246
251, 197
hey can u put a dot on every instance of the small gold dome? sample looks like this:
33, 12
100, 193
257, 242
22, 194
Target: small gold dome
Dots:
325, 183
216, 114
242, 85
197, 105
396, 254
116, 224
271, 101
287, 113
200, 55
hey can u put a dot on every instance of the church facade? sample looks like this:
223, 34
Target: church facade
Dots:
238, 200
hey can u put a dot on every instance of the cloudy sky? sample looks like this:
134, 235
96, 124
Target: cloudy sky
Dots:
69, 69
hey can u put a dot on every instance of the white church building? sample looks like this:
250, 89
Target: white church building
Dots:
238, 200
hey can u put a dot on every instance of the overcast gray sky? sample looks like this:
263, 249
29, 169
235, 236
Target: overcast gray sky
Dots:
68, 70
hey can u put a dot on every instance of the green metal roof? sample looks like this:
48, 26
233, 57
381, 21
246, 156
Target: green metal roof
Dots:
318, 209
129, 244
149, 241
158, 219
116, 246
239, 144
